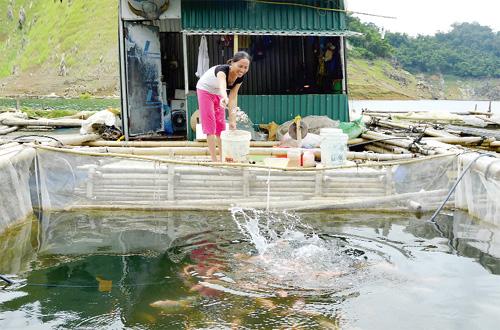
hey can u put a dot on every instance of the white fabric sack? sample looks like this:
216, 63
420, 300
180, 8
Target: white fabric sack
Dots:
203, 60
105, 117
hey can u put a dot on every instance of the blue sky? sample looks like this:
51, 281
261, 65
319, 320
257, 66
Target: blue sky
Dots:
427, 16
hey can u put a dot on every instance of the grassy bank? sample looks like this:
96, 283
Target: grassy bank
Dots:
84, 32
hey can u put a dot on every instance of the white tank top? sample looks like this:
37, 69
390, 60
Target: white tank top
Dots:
208, 82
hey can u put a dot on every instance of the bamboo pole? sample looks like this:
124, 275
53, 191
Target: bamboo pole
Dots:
377, 136
489, 120
372, 156
18, 155
180, 150
9, 145
359, 185
313, 204
391, 148
405, 144
130, 184
8, 130
428, 131
75, 140
378, 149
367, 111
368, 203
495, 144
157, 144
472, 140
481, 113
487, 165
355, 141
44, 122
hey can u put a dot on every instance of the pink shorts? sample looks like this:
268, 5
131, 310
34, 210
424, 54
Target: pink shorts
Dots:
212, 115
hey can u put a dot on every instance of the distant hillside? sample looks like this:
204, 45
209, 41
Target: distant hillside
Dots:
382, 79
47, 45
71, 48
461, 64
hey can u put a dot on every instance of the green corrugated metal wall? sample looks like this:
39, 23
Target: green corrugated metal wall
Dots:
254, 15
263, 109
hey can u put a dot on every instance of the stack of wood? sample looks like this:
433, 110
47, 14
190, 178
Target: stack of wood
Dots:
429, 139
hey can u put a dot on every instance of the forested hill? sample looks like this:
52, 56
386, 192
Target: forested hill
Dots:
463, 63
70, 47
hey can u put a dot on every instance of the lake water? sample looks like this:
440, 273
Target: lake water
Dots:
249, 269
64, 104
358, 105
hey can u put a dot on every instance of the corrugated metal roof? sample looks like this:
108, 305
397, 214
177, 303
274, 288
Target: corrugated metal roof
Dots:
237, 31
257, 16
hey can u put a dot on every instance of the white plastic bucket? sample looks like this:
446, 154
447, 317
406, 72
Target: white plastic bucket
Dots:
333, 147
235, 146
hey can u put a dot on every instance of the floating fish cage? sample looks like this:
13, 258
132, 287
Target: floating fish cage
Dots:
48, 178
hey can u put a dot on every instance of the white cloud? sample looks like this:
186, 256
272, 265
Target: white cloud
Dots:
426, 16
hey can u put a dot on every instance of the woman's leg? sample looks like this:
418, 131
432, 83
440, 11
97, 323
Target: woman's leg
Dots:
219, 144
211, 141
208, 106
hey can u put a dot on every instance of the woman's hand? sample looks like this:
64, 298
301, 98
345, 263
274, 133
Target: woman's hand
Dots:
232, 125
224, 102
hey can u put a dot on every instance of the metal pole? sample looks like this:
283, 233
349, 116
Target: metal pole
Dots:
186, 81
123, 76
344, 73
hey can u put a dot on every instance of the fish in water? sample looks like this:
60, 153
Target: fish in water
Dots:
171, 306
266, 303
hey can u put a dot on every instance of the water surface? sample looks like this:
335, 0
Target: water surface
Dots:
64, 104
249, 269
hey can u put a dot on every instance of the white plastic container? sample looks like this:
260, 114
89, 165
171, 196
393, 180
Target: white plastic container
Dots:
333, 147
276, 162
308, 158
235, 146
294, 154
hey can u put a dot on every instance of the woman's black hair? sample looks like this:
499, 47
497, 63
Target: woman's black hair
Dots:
240, 56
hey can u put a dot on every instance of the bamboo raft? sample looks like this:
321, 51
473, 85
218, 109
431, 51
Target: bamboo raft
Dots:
176, 175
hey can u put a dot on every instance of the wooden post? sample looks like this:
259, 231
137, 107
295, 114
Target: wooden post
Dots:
235, 44
299, 134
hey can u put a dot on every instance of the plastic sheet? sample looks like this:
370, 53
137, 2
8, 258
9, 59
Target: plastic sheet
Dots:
54, 179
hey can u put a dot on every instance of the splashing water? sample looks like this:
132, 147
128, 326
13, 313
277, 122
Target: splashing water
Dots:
292, 255
257, 226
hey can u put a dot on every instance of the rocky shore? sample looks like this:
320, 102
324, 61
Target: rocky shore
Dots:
32, 85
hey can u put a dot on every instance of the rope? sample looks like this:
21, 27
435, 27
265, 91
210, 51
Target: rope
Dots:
45, 136
217, 164
48, 285
268, 188
318, 8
